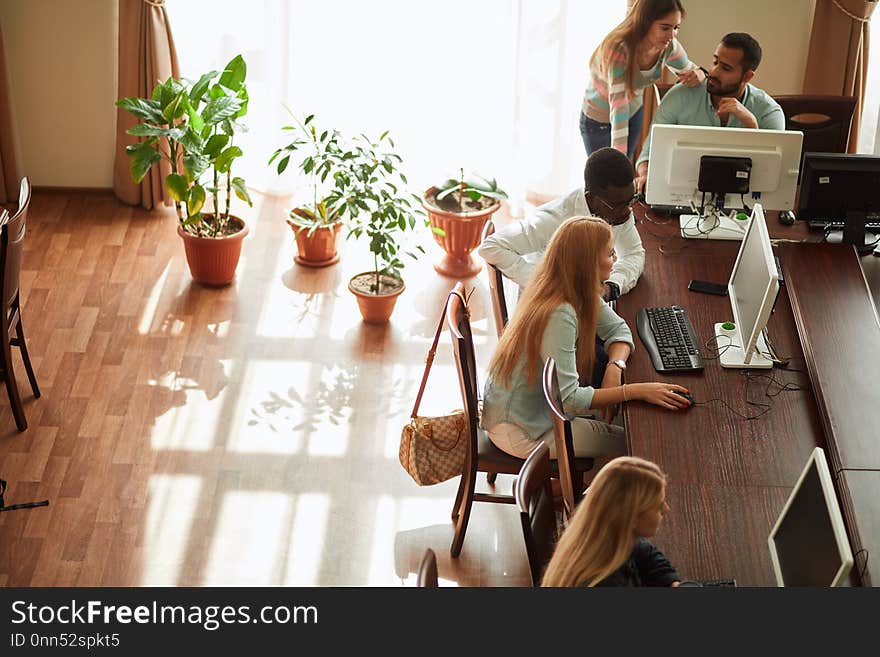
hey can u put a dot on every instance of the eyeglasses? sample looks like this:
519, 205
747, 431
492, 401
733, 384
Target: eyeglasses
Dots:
618, 214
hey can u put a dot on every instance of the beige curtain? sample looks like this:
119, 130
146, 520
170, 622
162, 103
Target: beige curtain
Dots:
8, 167
146, 56
838, 59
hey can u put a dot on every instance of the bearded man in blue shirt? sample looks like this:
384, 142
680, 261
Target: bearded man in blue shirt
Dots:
726, 98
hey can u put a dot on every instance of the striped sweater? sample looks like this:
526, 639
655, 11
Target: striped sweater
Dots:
606, 99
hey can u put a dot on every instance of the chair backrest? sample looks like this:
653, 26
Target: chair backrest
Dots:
496, 286
824, 120
571, 488
535, 501
12, 243
427, 575
458, 319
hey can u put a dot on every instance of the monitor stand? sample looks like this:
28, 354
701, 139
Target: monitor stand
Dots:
733, 355
718, 227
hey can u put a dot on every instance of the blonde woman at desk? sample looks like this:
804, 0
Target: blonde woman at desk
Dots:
559, 316
605, 542
629, 59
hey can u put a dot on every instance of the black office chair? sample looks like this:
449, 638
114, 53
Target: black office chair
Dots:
537, 517
824, 120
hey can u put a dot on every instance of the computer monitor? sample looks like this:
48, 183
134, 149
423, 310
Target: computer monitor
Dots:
716, 170
752, 290
841, 188
808, 543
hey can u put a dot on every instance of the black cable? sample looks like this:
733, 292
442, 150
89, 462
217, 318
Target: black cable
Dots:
13, 507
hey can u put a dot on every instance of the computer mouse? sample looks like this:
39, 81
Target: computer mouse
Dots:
786, 218
686, 395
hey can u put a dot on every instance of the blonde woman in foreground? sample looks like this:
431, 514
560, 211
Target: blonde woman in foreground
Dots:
559, 316
604, 544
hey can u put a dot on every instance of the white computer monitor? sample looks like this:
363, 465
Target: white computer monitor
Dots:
752, 290
674, 172
808, 543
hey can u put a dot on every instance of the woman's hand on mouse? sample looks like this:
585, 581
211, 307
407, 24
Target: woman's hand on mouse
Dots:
659, 394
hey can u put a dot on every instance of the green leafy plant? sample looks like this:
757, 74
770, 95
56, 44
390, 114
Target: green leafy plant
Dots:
378, 205
323, 154
359, 181
474, 188
193, 127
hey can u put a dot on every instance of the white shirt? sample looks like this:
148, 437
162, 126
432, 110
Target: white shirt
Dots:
516, 248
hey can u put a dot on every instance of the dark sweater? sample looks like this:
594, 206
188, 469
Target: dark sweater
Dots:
646, 566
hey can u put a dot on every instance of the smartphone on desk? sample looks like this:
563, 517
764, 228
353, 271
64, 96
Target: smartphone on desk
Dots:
708, 288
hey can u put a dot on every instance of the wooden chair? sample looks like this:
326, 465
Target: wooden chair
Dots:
482, 455
427, 576
11, 243
535, 500
824, 120
496, 286
571, 470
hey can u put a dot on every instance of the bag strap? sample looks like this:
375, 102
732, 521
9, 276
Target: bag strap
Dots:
429, 359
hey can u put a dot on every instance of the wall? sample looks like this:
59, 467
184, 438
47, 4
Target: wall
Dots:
782, 27
61, 61
63, 54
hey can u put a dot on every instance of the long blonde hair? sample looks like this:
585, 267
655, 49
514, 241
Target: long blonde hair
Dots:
568, 273
629, 34
599, 537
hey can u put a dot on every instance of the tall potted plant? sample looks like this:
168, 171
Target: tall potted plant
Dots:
193, 127
379, 209
458, 209
318, 221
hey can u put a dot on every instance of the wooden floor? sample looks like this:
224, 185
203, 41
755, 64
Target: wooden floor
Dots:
248, 435
190, 436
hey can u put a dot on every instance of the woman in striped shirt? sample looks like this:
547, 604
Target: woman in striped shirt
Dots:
629, 59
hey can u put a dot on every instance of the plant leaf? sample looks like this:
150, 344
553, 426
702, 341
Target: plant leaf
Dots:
196, 200
220, 108
143, 108
199, 88
194, 165
143, 156
177, 185
223, 161
215, 145
234, 73
241, 191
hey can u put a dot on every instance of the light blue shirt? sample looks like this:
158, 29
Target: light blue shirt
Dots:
693, 106
523, 403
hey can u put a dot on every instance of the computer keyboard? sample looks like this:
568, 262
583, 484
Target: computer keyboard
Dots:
670, 338
822, 225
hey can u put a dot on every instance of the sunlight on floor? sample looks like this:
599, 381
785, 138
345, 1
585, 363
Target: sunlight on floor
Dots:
171, 508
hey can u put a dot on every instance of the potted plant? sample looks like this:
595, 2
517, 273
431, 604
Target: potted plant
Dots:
460, 208
317, 223
193, 127
380, 209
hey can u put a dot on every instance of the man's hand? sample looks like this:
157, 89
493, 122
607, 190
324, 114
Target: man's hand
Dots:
691, 78
641, 178
727, 106
606, 293
611, 379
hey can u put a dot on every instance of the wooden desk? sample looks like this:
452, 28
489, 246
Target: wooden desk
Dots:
728, 477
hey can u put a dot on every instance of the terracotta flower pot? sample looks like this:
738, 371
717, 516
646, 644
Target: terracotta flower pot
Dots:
463, 231
375, 308
213, 260
317, 248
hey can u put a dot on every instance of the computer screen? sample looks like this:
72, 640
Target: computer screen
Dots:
808, 543
836, 183
676, 152
752, 289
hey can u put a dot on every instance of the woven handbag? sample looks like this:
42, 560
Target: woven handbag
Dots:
433, 449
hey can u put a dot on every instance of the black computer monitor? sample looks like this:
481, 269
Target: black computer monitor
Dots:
841, 188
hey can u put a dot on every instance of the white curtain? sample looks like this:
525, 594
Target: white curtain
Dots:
493, 86
869, 132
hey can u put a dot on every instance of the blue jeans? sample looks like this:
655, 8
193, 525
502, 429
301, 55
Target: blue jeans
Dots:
597, 135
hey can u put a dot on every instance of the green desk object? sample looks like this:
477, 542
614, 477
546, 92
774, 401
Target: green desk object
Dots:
742, 216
